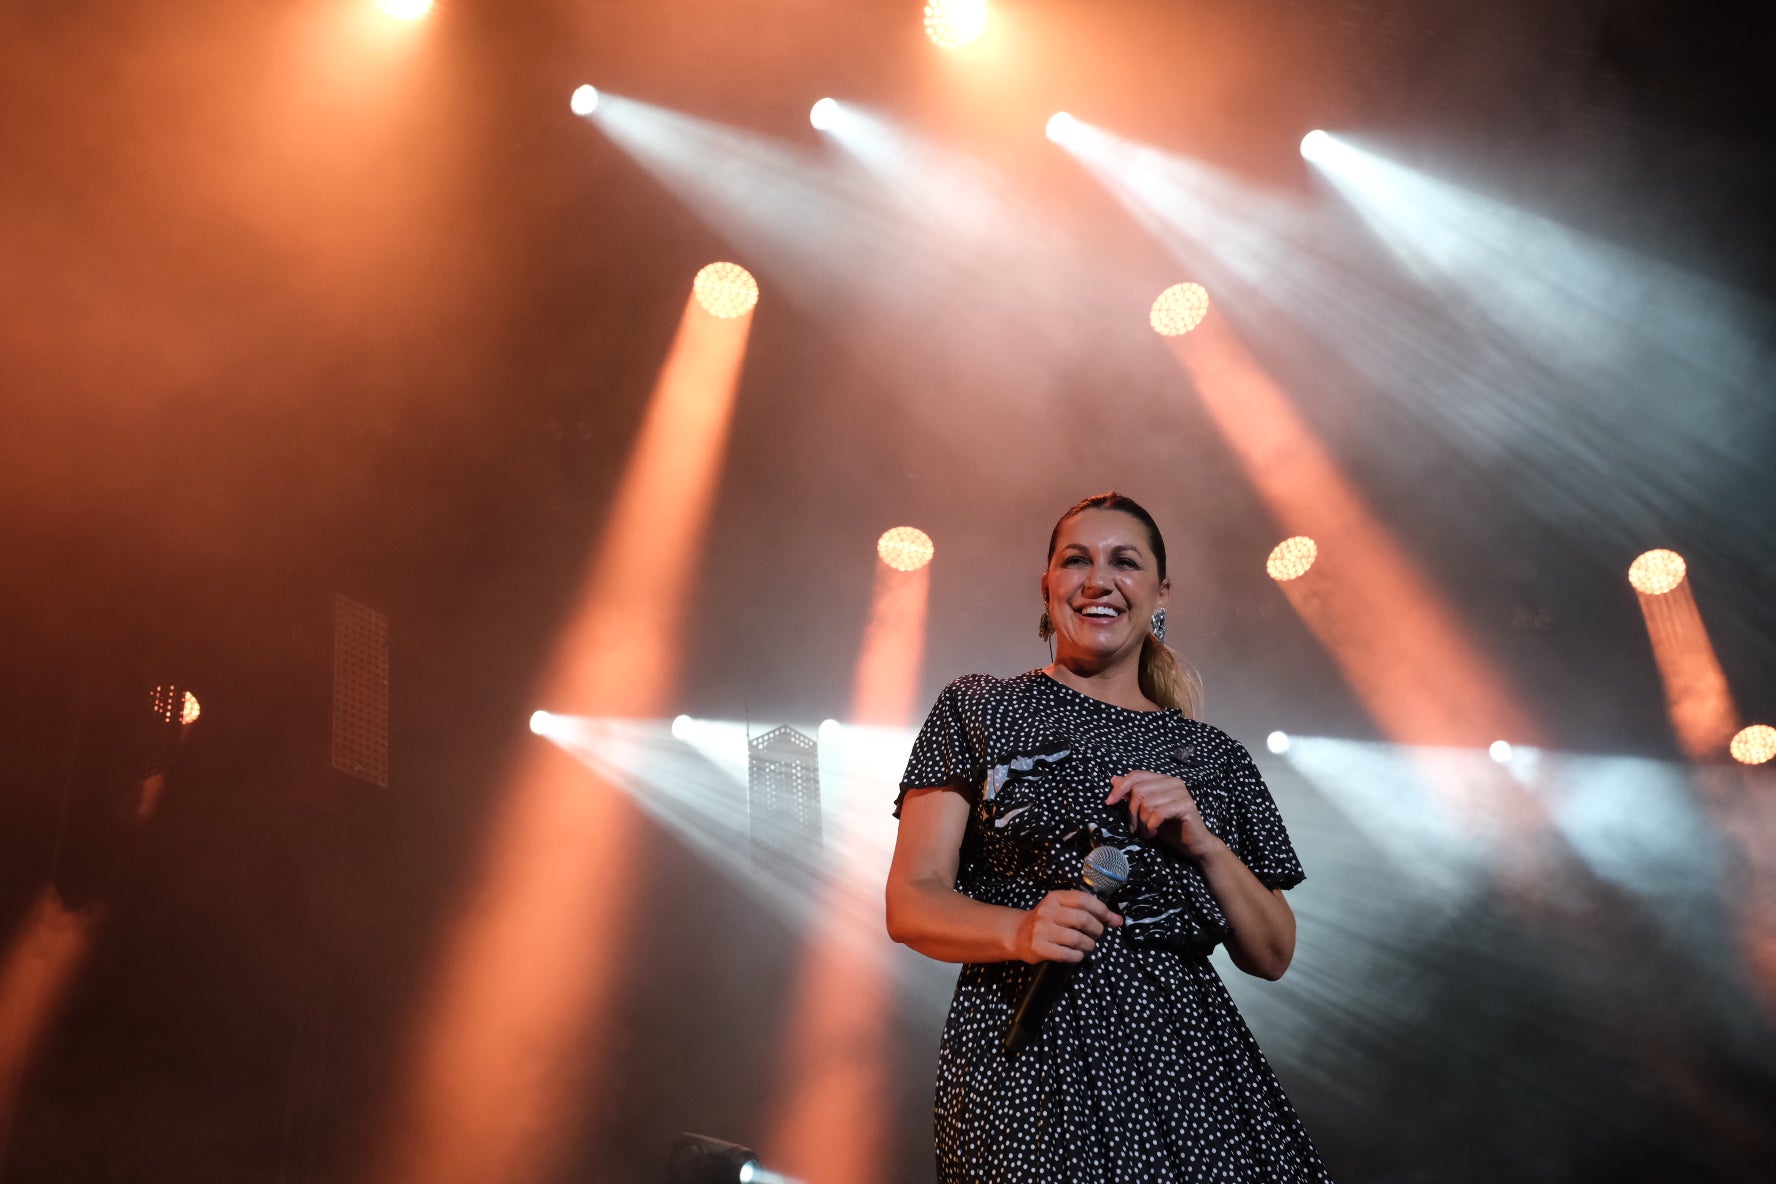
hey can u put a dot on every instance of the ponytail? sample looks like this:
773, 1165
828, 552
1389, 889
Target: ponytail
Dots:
1166, 680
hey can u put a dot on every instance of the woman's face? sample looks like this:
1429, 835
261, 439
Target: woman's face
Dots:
1102, 586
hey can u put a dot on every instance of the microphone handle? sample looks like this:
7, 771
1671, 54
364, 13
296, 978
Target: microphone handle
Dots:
1050, 981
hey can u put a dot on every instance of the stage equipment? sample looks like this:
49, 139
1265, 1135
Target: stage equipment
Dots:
1179, 309
905, 548
1292, 558
952, 24
1657, 572
405, 10
726, 290
584, 100
1754, 745
783, 796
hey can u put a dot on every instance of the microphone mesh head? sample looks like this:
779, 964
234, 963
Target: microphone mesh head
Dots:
1106, 870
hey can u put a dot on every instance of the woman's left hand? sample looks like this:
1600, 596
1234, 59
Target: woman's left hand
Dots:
1162, 806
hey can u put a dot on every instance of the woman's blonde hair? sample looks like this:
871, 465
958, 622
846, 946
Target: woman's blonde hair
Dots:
1164, 677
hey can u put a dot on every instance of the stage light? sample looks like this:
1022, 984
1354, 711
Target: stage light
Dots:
541, 722
1314, 145
405, 10
681, 727
1657, 572
170, 704
829, 731
726, 290
1277, 742
584, 100
1060, 126
1291, 558
1499, 751
954, 23
1179, 309
824, 114
1754, 745
905, 548
699, 1159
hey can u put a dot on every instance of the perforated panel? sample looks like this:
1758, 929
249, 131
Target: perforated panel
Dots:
783, 792
360, 691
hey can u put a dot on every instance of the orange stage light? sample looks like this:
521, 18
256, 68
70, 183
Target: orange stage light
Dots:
1380, 618
1292, 558
1754, 745
905, 548
726, 290
952, 24
1697, 697
1179, 309
1654, 573
838, 1061
405, 10
34, 980
523, 1003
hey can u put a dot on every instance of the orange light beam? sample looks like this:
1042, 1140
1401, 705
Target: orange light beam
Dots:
831, 1123
1382, 620
1697, 697
48, 951
522, 1005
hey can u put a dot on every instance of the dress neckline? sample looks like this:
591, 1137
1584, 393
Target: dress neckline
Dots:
1053, 681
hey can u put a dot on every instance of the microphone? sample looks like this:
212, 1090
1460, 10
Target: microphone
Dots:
1106, 870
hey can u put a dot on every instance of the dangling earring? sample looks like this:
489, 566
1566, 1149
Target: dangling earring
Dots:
1159, 625
1044, 627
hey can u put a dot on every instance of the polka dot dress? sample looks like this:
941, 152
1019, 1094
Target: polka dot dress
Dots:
1144, 1071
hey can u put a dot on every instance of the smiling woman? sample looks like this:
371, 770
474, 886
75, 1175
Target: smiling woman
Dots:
1143, 1069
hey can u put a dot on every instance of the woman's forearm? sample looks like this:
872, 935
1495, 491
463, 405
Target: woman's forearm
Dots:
939, 922
1263, 938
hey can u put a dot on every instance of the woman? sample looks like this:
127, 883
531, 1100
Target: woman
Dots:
1143, 1070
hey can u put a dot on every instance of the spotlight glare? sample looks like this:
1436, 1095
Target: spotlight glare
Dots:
584, 100
905, 548
681, 727
1060, 126
1315, 144
172, 705
541, 722
828, 732
1754, 745
1499, 751
824, 115
726, 290
1657, 572
405, 10
1277, 742
952, 24
1179, 309
1291, 558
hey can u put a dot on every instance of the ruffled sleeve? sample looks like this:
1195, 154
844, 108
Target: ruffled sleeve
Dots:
951, 747
1259, 837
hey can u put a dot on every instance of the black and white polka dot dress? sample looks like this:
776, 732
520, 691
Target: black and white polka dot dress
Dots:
1144, 1071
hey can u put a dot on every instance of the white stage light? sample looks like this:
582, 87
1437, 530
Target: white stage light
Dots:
584, 101
1499, 751
1315, 144
829, 731
1060, 126
1277, 742
541, 722
824, 115
681, 727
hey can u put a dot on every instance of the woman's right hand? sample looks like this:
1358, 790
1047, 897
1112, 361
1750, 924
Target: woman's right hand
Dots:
1064, 927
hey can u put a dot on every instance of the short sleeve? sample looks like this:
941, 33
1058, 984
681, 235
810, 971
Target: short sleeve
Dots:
950, 748
1260, 839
